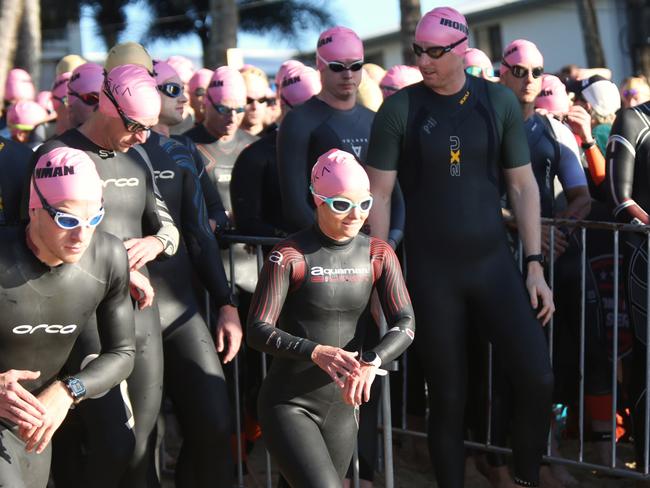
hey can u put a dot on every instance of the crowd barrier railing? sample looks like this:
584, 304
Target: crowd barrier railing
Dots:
579, 229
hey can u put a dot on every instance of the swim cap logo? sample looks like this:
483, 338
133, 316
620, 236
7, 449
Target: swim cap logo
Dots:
510, 51
454, 156
216, 83
454, 25
290, 81
118, 89
76, 76
323, 41
545, 93
49, 172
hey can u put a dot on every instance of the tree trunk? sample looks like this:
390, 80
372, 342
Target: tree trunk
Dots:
410, 15
638, 15
590, 34
224, 21
10, 13
28, 54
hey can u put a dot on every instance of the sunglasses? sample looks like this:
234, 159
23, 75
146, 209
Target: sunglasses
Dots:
342, 205
172, 90
199, 92
68, 221
337, 67
436, 52
62, 100
91, 98
478, 71
250, 100
223, 109
521, 72
130, 125
630, 93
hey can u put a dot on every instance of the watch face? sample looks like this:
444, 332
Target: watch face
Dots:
368, 357
76, 387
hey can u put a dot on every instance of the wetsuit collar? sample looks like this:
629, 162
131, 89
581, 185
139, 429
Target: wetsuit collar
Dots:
328, 241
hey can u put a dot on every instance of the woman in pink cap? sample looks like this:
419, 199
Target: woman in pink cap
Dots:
305, 313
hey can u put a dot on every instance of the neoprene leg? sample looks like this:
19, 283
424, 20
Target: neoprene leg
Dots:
18, 468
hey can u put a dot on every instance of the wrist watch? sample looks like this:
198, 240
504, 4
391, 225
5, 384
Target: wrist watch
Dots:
372, 358
76, 388
535, 258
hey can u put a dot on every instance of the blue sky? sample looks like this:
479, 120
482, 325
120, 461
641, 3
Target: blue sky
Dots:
366, 17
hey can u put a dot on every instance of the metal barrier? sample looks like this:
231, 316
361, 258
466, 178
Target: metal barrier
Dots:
385, 426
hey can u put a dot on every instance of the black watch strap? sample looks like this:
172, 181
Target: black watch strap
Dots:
535, 257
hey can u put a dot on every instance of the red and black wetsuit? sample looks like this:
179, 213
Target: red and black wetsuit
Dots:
312, 290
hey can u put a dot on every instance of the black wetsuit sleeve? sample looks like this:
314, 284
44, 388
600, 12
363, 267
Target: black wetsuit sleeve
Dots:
397, 216
201, 243
387, 132
621, 161
283, 270
157, 220
293, 149
395, 302
115, 325
247, 194
216, 210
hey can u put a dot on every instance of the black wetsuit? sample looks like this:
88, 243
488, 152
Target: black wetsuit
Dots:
216, 210
118, 447
448, 152
44, 310
15, 160
194, 379
628, 175
309, 131
316, 289
255, 189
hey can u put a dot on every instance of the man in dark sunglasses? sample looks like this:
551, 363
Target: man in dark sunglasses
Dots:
256, 103
451, 140
65, 273
83, 92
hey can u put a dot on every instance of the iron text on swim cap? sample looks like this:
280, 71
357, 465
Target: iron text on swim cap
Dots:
510, 51
323, 41
49, 172
454, 25
216, 83
290, 81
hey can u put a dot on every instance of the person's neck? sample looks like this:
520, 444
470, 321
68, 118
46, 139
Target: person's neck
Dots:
162, 129
252, 129
337, 103
217, 135
36, 246
94, 129
528, 110
453, 86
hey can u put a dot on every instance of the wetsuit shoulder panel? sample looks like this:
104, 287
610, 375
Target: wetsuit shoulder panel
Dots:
387, 131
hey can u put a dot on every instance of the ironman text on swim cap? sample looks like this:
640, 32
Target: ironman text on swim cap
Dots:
454, 25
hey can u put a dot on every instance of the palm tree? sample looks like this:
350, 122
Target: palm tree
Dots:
590, 34
410, 15
10, 15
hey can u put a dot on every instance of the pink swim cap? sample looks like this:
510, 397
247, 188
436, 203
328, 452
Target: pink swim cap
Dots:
87, 78
60, 88
164, 71
135, 92
19, 85
44, 99
62, 174
336, 44
521, 51
282, 70
226, 84
336, 172
200, 79
443, 26
299, 84
25, 115
183, 66
398, 77
553, 97
476, 57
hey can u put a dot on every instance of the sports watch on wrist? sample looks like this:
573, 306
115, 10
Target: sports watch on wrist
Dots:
535, 258
371, 357
76, 388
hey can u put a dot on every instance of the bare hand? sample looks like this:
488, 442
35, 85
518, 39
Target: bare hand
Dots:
561, 242
141, 289
336, 362
537, 288
357, 387
57, 401
580, 122
143, 250
16, 403
228, 332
